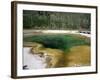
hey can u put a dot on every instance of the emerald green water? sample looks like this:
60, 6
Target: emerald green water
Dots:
58, 41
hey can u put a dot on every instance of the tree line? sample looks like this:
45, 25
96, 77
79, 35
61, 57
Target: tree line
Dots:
55, 20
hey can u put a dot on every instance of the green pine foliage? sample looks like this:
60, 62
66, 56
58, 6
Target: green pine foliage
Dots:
55, 20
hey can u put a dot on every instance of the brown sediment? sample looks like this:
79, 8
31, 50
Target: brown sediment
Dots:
78, 56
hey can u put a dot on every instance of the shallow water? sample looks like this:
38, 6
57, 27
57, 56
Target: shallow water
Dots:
78, 56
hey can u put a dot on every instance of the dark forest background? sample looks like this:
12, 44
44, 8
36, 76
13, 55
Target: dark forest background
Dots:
56, 20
